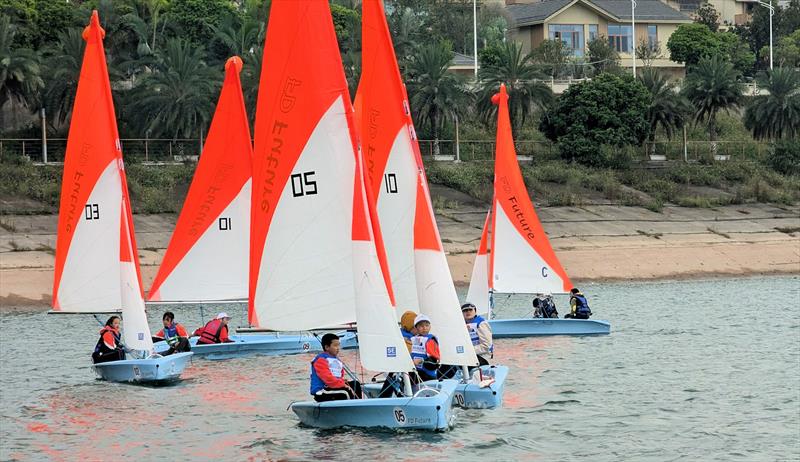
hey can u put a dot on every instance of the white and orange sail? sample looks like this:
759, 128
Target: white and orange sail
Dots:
478, 292
97, 264
314, 262
420, 275
521, 259
208, 254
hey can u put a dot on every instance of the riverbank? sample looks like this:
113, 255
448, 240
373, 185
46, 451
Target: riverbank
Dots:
594, 243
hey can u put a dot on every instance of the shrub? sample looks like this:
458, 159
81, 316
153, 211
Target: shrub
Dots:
785, 157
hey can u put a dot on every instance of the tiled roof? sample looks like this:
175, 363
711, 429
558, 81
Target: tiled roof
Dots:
463, 60
653, 10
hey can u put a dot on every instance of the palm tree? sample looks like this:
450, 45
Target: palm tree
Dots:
240, 38
436, 95
712, 86
64, 68
251, 74
776, 114
527, 91
20, 75
177, 98
668, 108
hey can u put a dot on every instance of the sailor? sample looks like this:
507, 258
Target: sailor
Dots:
174, 334
579, 306
544, 306
109, 347
479, 332
327, 374
215, 331
407, 327
425, 349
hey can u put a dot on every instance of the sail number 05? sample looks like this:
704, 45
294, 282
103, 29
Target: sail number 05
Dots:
303, 184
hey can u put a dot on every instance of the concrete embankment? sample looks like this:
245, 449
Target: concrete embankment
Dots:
594, 243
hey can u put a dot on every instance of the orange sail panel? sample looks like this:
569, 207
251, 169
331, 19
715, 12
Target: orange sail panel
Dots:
208, 254
522, 259
88, 245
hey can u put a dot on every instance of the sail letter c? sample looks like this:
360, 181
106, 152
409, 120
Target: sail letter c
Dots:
544, 272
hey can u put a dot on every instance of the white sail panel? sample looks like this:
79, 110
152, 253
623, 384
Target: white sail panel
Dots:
216, 267
135, 330
517, 267
305, 278
396, 211
478, 292
380, 343
90, 281
438, 300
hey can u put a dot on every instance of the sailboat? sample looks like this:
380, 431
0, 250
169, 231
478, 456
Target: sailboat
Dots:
207, 258
97, 265
395, 176
514, 254
314, 258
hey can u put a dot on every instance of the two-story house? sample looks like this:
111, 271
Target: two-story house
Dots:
577, 22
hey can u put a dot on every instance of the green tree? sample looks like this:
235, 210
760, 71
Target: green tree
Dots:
691, 42
787, 53
436, 95
523, 80
712, 86
738, 52
20, 74
776, 114
551, 57
177, 98
668, 109
63, 70
239, 37
609, 110
708, 16
195, 17
602, 55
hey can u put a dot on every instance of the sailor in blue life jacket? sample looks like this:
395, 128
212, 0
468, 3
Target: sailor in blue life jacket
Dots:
479, 332
109, 347
327, 374
393, 385
579, 306
174, 334
425, 349
544, 306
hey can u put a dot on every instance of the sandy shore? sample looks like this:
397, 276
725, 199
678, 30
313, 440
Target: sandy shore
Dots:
594, 243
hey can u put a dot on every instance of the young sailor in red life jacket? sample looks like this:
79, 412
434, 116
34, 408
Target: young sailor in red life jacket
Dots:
215, 331
479, 332
109, 346
327, 374
174, 334
425, 349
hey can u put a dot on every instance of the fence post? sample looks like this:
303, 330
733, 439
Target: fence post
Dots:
44, 136
146, 146
458, 147
685, 150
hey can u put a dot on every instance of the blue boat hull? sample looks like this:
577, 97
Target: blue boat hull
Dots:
532, 327
266, 344
150, 371
468, 395
418, 413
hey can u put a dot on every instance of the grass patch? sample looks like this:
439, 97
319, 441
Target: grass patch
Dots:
648, 234
718, 233
15, 247
788, 230
8, 226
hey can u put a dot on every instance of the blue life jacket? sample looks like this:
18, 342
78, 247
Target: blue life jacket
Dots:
334, 365
171, 331
549, 308
406, 334
472, 327
582, 306
419, 350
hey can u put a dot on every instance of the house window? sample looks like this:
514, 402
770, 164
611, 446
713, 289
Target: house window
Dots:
592, 32
652, 37
570, 35
620, 37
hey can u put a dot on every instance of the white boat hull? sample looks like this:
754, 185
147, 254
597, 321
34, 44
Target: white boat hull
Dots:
151, 370
532, 327
418, 413
266, 344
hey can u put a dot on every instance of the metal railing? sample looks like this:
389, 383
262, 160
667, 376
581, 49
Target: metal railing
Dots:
134, 149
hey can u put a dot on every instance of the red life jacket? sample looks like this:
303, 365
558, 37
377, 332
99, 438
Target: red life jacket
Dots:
211, 332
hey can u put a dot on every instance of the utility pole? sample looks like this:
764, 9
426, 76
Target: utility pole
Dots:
633, 34
475, 35
771, 13
44, 135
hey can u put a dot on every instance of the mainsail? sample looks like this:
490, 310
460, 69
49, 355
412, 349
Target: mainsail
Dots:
478, 292
418, 266
208, 254
521, 259
97, 265
313, 262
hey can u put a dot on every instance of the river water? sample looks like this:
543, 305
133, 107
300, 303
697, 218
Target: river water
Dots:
693, 370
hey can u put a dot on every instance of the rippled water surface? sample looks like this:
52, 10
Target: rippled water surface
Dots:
706, 370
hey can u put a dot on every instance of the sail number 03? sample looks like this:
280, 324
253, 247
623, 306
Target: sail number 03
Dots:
92, 212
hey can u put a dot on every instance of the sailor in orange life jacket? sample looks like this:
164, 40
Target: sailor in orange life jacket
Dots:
327, 374
174, 334
425, 349
215, 331
109, 346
